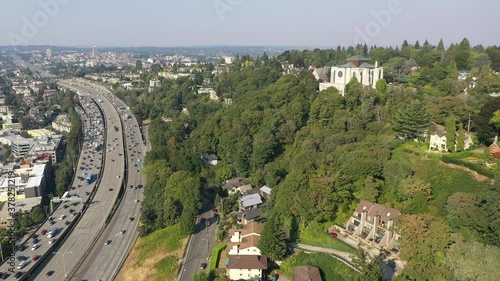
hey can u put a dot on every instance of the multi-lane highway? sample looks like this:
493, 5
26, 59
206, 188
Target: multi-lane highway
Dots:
48, 236
92, 248
109, 253
87, 231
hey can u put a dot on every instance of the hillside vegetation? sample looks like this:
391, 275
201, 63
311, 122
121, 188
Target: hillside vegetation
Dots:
322, 152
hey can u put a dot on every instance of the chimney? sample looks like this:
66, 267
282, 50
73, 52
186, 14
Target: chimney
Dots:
496, 139
376, 63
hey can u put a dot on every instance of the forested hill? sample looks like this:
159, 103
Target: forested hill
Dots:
322, 153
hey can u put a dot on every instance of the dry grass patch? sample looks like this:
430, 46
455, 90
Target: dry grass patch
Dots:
155, 257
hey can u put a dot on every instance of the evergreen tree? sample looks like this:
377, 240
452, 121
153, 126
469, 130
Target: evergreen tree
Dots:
440, 46
411, 120
460, 139
451, 129
272, 240
405, 44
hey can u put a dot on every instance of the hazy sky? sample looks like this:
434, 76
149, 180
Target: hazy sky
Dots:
247, 22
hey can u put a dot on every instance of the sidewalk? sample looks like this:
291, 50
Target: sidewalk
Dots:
340, 255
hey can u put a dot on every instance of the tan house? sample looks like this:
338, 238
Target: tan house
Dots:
245, 261
245, 241
437, 140
306, 273
246, 267
374, 223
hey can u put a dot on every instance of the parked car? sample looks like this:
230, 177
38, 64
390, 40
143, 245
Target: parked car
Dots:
333, 234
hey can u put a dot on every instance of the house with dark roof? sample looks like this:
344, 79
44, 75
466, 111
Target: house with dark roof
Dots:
374, 223
437, 139
209, 159
249, 216
321, 74
232, 185
306, 273
357, 67
246, 267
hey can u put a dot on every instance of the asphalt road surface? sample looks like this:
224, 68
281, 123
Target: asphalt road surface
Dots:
86, 232
90, 161
106, 259
200, 246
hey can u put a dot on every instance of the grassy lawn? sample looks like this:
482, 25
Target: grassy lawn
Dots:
315, 234
330, 268
416, 148
473, 161
446, 181
155, 257
167, 239
166, 268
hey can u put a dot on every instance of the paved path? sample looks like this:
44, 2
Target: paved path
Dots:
344, 257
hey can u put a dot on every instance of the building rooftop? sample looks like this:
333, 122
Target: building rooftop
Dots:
372, 209
306, 273
247, 262
251, 200
266, 189
249, 214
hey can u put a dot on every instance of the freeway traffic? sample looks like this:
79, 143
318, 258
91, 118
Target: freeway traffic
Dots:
109, 253
50, 233
87, 231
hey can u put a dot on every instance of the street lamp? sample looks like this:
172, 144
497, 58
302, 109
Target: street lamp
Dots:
64, 260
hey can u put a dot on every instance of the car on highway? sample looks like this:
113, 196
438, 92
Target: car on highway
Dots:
66, 222
35, 258
107, 242
18, 275
203, 265
34, 247
22, 264
49, 273
4, 275
43, 232
131, 219
20, 258
51, 241
52, 222
62, 217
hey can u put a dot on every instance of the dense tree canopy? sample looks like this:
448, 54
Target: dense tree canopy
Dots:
322, 152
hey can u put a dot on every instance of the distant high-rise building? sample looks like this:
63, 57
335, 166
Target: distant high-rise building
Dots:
49, 53
95, 52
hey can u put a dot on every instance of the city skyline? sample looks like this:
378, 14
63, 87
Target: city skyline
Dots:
245, 23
